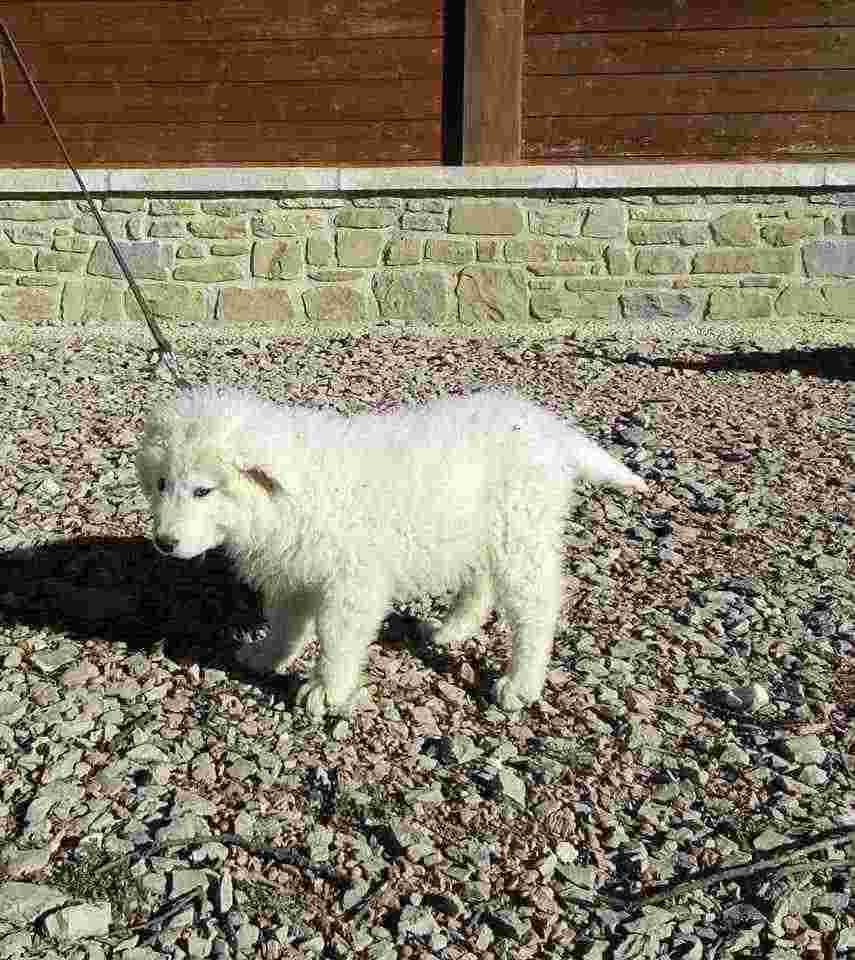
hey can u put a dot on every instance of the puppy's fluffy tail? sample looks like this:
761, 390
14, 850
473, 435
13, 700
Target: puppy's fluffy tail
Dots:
590, 462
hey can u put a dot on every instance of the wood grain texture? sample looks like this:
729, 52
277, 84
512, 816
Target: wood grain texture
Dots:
755, 137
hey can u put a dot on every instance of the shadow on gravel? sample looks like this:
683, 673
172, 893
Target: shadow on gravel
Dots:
832, 363
123, 590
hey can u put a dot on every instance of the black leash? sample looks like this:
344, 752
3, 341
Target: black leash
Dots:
164, 347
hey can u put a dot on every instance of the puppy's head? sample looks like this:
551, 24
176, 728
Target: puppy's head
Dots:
203, 487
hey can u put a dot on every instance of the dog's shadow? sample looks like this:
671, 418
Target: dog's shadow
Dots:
124, 591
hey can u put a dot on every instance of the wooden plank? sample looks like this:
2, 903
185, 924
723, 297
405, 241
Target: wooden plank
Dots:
227, 102
738, 92
711, 137
492, 81
314, 60
211, 144
559, 16
668, 51
218, 21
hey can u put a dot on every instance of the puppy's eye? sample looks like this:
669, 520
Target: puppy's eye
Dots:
201, 491
161, 484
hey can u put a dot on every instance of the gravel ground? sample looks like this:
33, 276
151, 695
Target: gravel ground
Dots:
685, 789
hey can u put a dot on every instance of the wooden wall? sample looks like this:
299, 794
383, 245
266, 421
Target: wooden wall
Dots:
216, 82
718, 79
348, 82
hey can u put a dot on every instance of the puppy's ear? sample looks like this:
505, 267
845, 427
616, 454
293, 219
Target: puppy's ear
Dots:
263, 479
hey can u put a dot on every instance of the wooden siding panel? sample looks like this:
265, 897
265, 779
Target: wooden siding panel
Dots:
218, 21
559, 16
671, 51
211, 144
301, 61
229, 102
737, 92
686, 138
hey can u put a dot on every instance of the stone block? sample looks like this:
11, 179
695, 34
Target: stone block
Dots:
124, 204
93, 302
254, 307
335, 305
574, 305
403, 251
556, 221
209, 271
230, 248
428, 205
660, 261
492, 219
656, 305
57, 261
685, 234
37, 234
588, 251
290, 223
787, 232
670, 212
838, 302
491, 294
594, 283
531, 249
320, 250
36, 209
739, 305
168, 227
173, 303
434, 222
618, 261
445, 250
572, 268
830, 257
361, 219
16, 258
137, 226
191, 251
359, 248
173, 208
422, 296
735, 229
335, 275
148, 260
218, 228
487, 251
32, 305
71, 243
745, 261
88, 225
278, 259
849, 222
606, 221
235, 206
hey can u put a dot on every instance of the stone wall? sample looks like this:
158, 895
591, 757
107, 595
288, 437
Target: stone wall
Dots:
285, 261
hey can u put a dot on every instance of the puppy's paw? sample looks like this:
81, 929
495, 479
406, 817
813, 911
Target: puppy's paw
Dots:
312, 697
510, 696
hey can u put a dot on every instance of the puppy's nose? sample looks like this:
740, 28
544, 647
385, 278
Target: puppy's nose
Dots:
165, 544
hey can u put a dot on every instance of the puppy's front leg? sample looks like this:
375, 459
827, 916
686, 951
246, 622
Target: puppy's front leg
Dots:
289, 626
347, 621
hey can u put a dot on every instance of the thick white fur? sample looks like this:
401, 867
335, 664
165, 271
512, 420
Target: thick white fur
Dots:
331, 517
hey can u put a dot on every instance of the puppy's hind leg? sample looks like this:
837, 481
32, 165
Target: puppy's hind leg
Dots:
347, 621
290, 625
530, 593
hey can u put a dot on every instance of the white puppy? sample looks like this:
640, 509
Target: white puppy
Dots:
331, 517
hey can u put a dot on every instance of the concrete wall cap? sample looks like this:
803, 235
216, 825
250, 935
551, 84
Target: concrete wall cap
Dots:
238, 180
